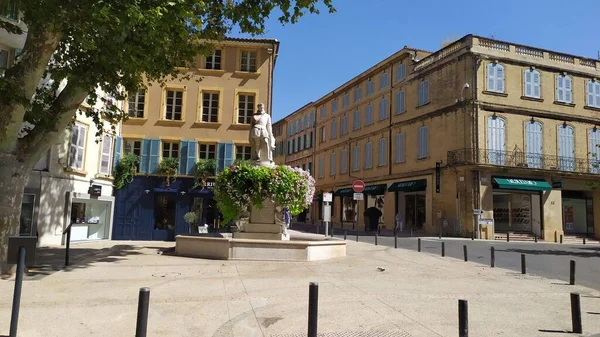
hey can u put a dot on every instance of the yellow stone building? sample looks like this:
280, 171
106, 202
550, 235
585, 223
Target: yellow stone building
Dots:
481, 124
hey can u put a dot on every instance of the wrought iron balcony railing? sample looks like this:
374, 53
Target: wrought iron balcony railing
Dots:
522, 159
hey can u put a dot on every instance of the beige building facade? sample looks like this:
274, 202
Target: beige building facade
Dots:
205, 117
480, 126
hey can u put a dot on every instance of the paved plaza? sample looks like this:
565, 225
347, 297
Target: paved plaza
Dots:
374, 291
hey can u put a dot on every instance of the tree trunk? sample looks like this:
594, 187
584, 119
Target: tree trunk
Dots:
13, 177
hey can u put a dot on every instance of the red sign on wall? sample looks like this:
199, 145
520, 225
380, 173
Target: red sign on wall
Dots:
358, 186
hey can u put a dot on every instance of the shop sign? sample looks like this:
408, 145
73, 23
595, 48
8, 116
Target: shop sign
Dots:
359, 196
407, 184
477, 212
210, 184
488, 222
557, 184
522, 182
437, 177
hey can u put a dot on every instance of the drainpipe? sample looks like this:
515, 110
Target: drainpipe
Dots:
477, 201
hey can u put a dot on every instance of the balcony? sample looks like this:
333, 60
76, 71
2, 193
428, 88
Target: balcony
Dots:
520, 159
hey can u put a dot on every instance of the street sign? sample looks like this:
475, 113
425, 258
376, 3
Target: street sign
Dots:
327, 197
477, 212
358, 186
327, 213
359, 196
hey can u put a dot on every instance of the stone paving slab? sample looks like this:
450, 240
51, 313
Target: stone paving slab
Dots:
416, 295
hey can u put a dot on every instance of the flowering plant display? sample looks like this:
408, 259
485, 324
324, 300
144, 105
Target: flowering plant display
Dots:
239, 187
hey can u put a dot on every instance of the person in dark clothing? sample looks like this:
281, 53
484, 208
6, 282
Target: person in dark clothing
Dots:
372, 215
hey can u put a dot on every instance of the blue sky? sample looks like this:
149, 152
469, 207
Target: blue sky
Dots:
323, 51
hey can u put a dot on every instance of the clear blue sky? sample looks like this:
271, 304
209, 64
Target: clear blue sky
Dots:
323, 51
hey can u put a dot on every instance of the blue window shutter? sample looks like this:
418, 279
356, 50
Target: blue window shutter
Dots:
491, 77
183, 152
568, 88
221, 157
118, 142
499, 78
191, 157
228, 155
145, 157
154, 156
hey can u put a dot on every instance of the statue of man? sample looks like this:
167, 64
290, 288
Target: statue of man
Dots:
261, 136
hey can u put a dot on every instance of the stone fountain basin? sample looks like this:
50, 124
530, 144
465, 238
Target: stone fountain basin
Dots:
300, 247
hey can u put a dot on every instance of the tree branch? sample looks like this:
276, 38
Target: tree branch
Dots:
40, 139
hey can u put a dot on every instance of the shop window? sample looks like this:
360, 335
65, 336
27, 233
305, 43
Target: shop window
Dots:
90, 218
349, 210
164, 211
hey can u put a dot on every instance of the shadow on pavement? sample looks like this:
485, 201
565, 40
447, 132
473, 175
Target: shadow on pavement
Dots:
550, 252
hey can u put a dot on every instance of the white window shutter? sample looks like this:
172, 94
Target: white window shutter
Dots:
528, 83
499, 78
590, 93
426, 142
426, 93
536, 84
568, 93
560, 94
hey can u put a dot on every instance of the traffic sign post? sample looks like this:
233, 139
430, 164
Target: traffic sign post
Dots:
358, 186
327, 199
477, 213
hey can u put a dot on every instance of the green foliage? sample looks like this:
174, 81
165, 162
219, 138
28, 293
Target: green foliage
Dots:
241, 186
241, 162
190, 218
204, 169
168, 168
125, 170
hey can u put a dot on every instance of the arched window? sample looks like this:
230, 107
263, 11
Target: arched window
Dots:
533, 144
496, 141
566, 147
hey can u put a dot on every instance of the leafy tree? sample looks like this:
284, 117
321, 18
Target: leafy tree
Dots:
115, 45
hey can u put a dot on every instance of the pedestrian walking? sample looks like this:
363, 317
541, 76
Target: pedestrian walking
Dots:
399, 222
287, 218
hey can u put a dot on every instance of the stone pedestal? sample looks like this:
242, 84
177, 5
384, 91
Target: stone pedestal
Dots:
262, 225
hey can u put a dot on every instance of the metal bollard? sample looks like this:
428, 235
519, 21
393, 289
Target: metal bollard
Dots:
535, 237
356, 237
313, 308
443, 249
419, 244
572, 273
576, 313
332, 229
141, 328
507, 237
465, 253
561, 238
395, 241
376, 236
492, 257
584, 240
16, 306
523, 265
440, 233
317, 229
345, 235
411, 232
463, 318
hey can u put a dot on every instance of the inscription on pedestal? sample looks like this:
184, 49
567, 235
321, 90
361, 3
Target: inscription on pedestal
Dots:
264, 215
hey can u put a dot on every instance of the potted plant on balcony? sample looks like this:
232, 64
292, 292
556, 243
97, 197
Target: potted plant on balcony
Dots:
204, 169
168, 168
125, 170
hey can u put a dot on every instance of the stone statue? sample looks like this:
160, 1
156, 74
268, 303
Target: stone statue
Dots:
280, 220
261, 137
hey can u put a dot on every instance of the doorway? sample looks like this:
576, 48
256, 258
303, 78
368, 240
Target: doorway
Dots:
165, 211
415, 210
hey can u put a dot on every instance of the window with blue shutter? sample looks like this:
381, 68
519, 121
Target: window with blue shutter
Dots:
566, 148
356, 120
593, 93
191, 157
423, 93
344, 161
368, 155
400, 104
310, 139
346, 100
332, 163
401, 72
495, 77
370, 87
229, 154
355, 158
423, 142
383, 109
357, 94
383, 81
183, 151
145, 156
369, 115
534, 145
118, 142
532, 83
312, 119
496, 141
594, 150
564, 89
382, 152
333, 129
400, 148
154, 156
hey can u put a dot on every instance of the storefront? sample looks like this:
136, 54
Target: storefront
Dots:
91, 216
578, 212
348, 206
146, 209
517, 204
411, 202
375, 198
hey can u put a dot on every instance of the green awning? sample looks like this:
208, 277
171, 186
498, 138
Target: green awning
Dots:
375, 189
521, 184
344, 192
409, 186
